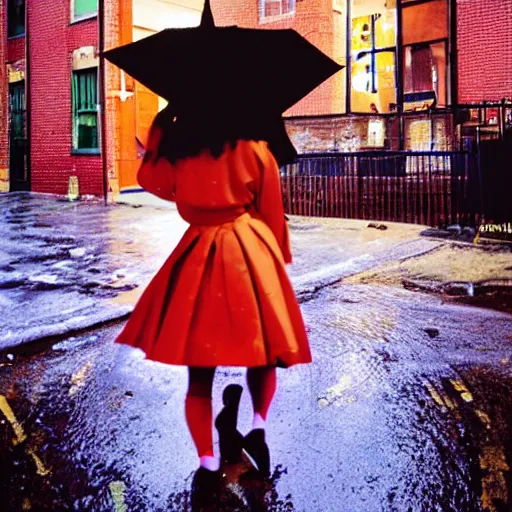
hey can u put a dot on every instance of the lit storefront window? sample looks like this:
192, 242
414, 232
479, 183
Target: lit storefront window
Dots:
373, 61
373, 53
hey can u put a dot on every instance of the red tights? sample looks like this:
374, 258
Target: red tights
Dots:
198, 404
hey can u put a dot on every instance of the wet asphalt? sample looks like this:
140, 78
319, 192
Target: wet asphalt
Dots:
406, 407
75, 265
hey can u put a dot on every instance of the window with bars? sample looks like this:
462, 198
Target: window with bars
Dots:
85, 110
17, 107
15, 18
84, 9
270, 8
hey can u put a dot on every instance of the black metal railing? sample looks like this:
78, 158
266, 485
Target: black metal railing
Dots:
435, 188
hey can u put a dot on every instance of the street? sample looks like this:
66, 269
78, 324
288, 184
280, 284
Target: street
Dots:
406, 407
78, 264
361, 143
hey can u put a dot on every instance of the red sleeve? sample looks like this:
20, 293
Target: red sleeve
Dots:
269, 200
156, 175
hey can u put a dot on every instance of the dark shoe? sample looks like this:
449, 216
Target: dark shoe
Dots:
205, 491
230, 439
257, 451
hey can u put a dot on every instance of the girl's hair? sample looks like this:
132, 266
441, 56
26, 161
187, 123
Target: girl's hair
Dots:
188, 135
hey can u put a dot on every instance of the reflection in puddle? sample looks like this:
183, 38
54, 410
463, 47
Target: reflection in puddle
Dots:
243, 491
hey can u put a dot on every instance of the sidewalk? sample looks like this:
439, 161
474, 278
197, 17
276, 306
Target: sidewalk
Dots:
463, 272
69, 266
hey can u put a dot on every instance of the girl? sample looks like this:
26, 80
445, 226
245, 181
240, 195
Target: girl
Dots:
223, 297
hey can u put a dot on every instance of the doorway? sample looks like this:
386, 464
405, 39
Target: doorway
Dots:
19, 176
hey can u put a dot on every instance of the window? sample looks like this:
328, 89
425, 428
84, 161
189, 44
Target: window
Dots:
270, 8
425, 71
418, 25
85, 111
425, 66
83, 9
373, 63
15, 18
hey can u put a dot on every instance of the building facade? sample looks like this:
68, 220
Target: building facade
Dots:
484, 40
50, 129
409, 63
398, 60
51, 68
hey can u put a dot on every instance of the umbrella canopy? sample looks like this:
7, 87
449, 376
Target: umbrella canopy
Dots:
226, 66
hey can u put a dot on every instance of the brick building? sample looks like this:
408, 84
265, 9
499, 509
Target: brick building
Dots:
52, 86
49, 92
401, 56
321, 22
405, 57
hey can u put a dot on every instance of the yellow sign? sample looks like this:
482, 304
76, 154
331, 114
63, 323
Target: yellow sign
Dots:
73, 191
16, 71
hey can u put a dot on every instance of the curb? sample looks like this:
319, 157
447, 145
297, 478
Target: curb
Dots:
459, 288
360, 264
45, 333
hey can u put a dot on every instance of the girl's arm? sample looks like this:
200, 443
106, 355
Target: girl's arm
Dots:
156, 175
269, 200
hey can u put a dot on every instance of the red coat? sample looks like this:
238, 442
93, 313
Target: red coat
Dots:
223, 298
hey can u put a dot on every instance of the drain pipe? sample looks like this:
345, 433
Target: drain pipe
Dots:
102, 86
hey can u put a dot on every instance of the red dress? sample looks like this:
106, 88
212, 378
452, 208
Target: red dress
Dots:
223, 297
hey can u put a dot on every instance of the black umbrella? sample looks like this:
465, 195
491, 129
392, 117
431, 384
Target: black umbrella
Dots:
226, 66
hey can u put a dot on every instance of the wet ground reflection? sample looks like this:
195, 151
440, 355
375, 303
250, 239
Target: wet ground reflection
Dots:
388, 417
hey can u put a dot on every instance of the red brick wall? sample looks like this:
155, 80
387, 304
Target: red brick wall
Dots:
52, 40
15, 49
485, 50
314, 20
350, 133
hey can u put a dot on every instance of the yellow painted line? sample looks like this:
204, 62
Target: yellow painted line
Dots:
467, 397
494, 485
20, 435
40, 468
434, 394
11, 418
448, 402
493, 458
484, 418
117, 490
462, 389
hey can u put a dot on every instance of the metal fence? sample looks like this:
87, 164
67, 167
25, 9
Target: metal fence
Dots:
432, 188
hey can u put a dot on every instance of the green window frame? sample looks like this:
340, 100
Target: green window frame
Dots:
83, 9
18, 110
85, 131
15, 18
